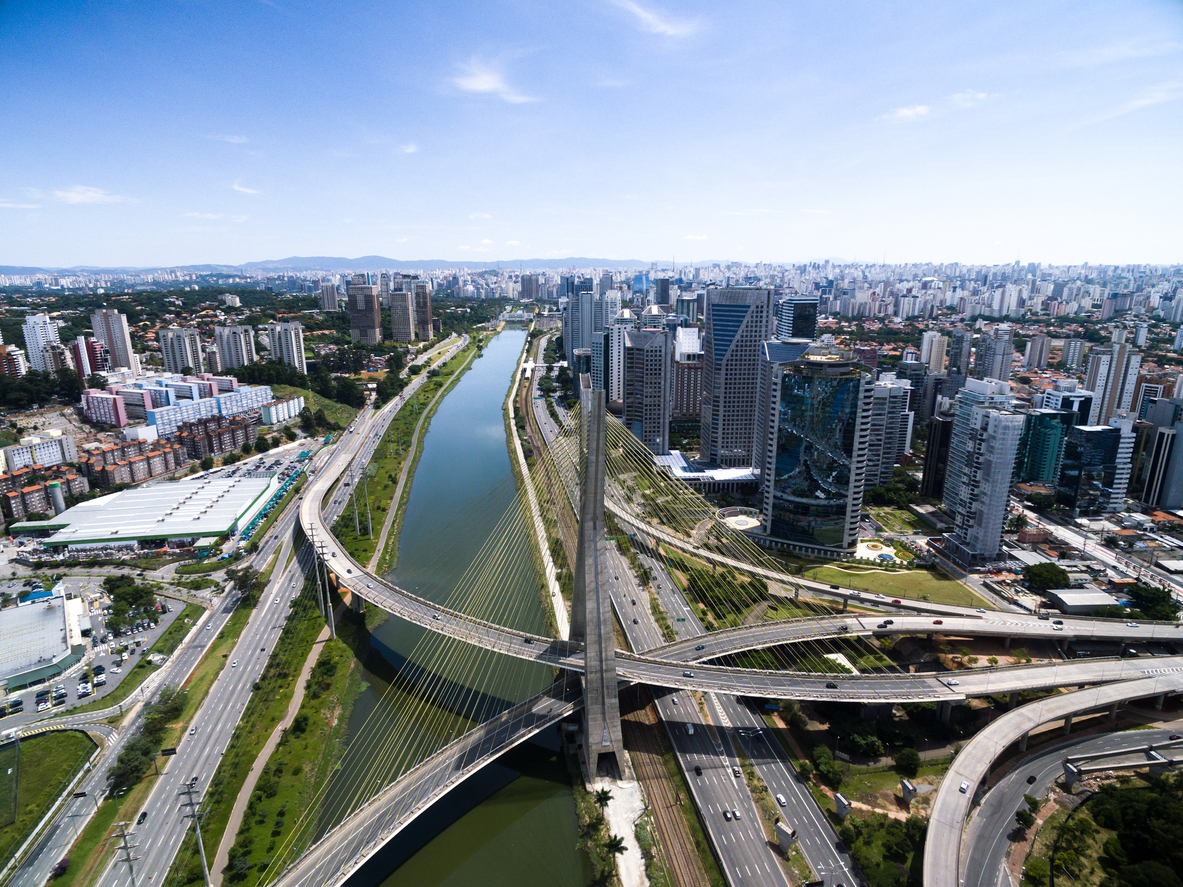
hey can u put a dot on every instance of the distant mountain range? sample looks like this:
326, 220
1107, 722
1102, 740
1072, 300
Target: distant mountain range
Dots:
341, 263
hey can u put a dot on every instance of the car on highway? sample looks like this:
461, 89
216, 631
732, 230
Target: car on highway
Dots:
1031, 779
830, 685
952, 682
697, 770
192, 731
889, 622
938, 622
895, 600
727, 815
140, 819
1174, 737
1131, 625
687, 674
735, 813
635, 622
234, 664
1057, 622
981, 609
881, 625
277, 600
675, 698
1057, 628
964, 787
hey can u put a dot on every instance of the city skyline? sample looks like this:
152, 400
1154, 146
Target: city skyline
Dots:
685, 133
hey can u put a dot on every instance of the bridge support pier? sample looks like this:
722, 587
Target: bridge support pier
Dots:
945, 712
1113, 712
1159, 700
591, 605
1023, 742
1012, 700
1006, 643
1067, 725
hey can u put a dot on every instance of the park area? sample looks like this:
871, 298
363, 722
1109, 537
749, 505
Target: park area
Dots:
923, 585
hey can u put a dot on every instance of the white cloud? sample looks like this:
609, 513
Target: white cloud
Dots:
480, 76
695, 237
239, 218
513, 243
233, 140
8, 204
657, 22
410, 149
906, 115
967, 98
486, 241
203, 215
243, 190
479, 216
87, 194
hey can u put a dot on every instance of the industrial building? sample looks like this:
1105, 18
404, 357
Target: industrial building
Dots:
167, 514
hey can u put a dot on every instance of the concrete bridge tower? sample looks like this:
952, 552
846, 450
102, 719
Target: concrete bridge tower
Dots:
591, 606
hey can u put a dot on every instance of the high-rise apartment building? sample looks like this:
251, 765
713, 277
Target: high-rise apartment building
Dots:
365, 311
1042, 447
90, 356
1036, 354
13, 362
1112, 375
180, 347
236, 346
996, 352
531, 291
1066, 394
889, 428
287, 343
796, 315
661, 291
935, 358
40, 331
983, 445
738, 320
402, 315
811, 448
328, 296
1163, 486
960, 347
110, 327
609, 371
647, 399
936, 456
1072, 354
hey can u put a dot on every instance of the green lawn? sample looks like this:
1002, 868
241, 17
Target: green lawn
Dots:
920, 585
865, 784
900, 520
336, 412
47, 764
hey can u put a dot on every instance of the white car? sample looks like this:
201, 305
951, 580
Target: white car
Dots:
234, 664
964, 787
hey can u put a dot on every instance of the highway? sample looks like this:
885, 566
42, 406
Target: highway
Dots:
987, 839
958, 789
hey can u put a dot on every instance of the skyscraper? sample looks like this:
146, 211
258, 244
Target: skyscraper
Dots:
1066, 394
812, 446
236, 346
1095, 470
936, 456
423, 311
687, 380
611, 365
982, 448
40, 331
180, 347
889, 428
287, 343
935, 358
110, 328
647, 397
90, 356
661, 291
738, 320
796, 315
1072, 354
402, 315
996, 352
1042, 447
365, 313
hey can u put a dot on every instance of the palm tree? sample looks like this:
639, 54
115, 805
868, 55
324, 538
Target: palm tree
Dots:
603, 798
615, 845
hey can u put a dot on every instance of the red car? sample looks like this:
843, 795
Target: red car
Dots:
938, 622
895, 600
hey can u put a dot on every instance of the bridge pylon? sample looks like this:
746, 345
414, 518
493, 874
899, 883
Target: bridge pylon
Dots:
591, 605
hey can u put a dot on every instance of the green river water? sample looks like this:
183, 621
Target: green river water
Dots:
514, 822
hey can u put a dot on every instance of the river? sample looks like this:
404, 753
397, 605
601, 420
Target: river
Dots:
514, 822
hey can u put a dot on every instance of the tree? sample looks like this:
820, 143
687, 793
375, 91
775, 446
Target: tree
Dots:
615, 845
1025, 818
186, 370
805, 769
1033, 803
67, 385
261, 444
907, 762
289, 432
207, 463
1044, 576
247, 449
248, 582
96, 380
603, 798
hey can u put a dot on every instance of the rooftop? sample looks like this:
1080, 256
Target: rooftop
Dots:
206, 505
32, 635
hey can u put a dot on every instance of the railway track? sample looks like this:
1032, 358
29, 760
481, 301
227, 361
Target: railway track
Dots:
643, 743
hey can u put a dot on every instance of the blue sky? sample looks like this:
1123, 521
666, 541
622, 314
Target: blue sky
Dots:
182, 131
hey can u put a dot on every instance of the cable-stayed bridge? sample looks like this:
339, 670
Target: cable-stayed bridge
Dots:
586, 463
